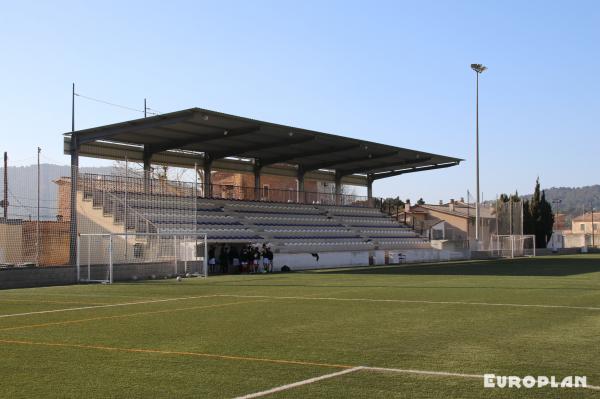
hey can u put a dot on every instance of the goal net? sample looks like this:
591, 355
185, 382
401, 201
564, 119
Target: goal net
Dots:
511, 246
105, 258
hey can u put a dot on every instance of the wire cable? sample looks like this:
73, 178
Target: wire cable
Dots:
148, 110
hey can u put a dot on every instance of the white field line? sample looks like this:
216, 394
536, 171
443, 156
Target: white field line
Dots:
112, 305
298, 384
423, 372
347, 368
375, 369
516, 305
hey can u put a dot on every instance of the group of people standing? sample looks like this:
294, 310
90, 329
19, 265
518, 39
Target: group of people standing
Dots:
250, 259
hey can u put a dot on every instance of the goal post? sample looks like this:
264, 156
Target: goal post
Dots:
105, 257
512, 245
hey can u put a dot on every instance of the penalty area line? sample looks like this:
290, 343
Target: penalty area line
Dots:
112, 305
299, 383
514, 305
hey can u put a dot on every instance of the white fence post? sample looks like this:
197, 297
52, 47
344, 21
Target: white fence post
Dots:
110, 260
205, 255
77, 257
512, 246
89, 265
175, 253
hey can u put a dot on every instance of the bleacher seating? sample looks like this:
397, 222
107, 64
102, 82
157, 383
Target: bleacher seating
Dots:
286, 227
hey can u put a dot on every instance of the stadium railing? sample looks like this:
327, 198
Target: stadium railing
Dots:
88, 182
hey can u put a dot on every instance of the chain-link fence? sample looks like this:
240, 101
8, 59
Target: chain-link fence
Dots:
34, 228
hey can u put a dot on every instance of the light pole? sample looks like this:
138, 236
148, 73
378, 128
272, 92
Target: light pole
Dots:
478, 68
556, 203
593, 230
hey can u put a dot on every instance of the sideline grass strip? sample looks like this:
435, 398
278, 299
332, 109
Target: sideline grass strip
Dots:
166, 352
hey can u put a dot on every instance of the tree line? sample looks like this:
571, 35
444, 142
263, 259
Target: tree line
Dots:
538, 218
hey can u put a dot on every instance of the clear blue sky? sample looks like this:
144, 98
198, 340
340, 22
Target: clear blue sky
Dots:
393, 72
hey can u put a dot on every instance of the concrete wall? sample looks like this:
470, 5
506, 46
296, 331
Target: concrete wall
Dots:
37, 277
46, 276
64, 275
305, 261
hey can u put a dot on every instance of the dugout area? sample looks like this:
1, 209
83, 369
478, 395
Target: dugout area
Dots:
398, 331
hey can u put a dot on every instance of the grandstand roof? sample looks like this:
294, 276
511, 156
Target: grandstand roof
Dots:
194, 134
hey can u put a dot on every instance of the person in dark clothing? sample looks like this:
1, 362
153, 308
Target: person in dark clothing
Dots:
224, 259
270, 256
265, 258
256, 259
212, 261
244, 259
234, 260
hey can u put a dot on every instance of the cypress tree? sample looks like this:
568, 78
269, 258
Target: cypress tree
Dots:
546, 219
539, 217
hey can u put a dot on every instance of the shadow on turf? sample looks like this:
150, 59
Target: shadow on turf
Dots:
510, 267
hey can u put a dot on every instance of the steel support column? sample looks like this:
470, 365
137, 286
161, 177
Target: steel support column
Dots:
73, 218
301, 193
370, 190
257, 170
147, 158
207, 168
338, 188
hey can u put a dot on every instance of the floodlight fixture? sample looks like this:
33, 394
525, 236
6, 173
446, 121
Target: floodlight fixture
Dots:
479, 68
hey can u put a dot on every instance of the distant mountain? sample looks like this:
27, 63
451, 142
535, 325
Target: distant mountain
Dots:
574, 199
22, 189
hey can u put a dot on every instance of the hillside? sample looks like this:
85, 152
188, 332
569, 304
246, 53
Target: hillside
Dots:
574, 199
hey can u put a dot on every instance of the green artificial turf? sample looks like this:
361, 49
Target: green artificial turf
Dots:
230, 336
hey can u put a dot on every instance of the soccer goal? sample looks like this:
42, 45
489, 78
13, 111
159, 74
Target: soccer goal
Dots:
103, 258
512, 246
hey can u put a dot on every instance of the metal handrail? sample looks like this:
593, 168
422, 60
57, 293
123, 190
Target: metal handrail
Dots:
224, 191
135, 213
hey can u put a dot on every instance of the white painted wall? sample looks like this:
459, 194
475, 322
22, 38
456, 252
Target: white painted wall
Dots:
305, 261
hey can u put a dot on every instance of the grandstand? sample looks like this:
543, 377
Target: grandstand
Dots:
340, 229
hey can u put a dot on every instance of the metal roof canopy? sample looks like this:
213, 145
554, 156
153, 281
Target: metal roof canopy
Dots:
196, 135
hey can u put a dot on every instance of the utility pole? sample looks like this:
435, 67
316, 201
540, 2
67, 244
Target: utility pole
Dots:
593, 229
73, 110
556, 203
5, 200
145, 108
37, 225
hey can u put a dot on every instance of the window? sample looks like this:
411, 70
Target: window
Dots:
582, 227
595, 226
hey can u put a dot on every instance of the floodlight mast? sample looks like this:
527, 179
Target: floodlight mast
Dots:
478, 68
